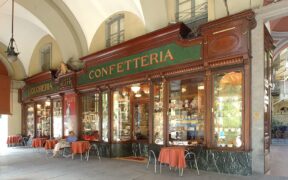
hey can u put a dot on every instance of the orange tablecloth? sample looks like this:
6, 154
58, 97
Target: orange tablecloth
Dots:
174, 156
50, 143
80, 147
14, 139
38, 142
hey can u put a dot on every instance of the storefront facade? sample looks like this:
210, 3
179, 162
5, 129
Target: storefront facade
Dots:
165, 88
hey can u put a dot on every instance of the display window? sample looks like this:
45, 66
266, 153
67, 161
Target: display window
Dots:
228, 109
90, 117
186, 112
57, 119
121, 115
105, 117
43, 119
158, 116
30, 118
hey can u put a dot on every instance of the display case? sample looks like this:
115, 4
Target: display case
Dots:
186, 112
158, 116
105, 117
30, 119
121, 115
43, 119
228, 109
57, 119
90, 117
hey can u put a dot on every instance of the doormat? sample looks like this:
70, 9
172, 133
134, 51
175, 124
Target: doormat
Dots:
133, 158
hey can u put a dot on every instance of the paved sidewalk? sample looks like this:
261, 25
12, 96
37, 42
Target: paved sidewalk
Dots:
28, 164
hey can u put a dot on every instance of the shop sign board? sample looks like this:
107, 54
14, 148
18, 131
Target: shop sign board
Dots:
153, 59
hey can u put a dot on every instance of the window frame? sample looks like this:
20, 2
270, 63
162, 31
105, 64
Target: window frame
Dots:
44, 52
245, 123
120, 32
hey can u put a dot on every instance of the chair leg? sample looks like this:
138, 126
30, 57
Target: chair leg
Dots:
196, 165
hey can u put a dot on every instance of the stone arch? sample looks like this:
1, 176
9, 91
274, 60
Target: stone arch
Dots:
62, 24
133, 26
15, 69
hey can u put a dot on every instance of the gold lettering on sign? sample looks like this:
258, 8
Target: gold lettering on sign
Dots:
39, 89
127, 65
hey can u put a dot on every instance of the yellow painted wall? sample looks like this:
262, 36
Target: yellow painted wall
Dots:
35, 63
133, 26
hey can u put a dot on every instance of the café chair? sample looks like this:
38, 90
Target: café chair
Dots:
95, 148
190, 157
151, 155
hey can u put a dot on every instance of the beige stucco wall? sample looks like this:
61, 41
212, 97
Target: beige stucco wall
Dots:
14, 120
133, 26
234, 7
35, 63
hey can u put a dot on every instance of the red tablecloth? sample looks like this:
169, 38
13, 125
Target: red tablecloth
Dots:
50, 143
174, 156
38, 142
80, 147
14, 139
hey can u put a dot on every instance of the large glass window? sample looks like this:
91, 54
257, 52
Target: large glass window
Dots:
90, 117
158, 134
105, 117
43, 119
186, 112
227, 108
57, 119
30, 120
121, 115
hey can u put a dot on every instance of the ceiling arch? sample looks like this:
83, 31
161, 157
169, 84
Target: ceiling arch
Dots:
71, 23
92, 14
58, 24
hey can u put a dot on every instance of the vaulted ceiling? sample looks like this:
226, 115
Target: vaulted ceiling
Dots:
72, 23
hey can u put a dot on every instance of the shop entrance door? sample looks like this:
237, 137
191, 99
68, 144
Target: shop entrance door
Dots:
140, 115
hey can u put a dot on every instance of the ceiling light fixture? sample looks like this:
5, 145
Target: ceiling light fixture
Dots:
135, 88
12, 55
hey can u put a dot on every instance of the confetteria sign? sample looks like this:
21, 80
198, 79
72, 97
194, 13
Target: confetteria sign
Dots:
39, 89
168, 55
47, 87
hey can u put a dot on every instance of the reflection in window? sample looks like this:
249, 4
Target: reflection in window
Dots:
228, 109
90, 117
105, 115
121, 118
186, 112
158, 136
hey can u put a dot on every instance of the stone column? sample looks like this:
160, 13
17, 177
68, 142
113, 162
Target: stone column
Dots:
257, 98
